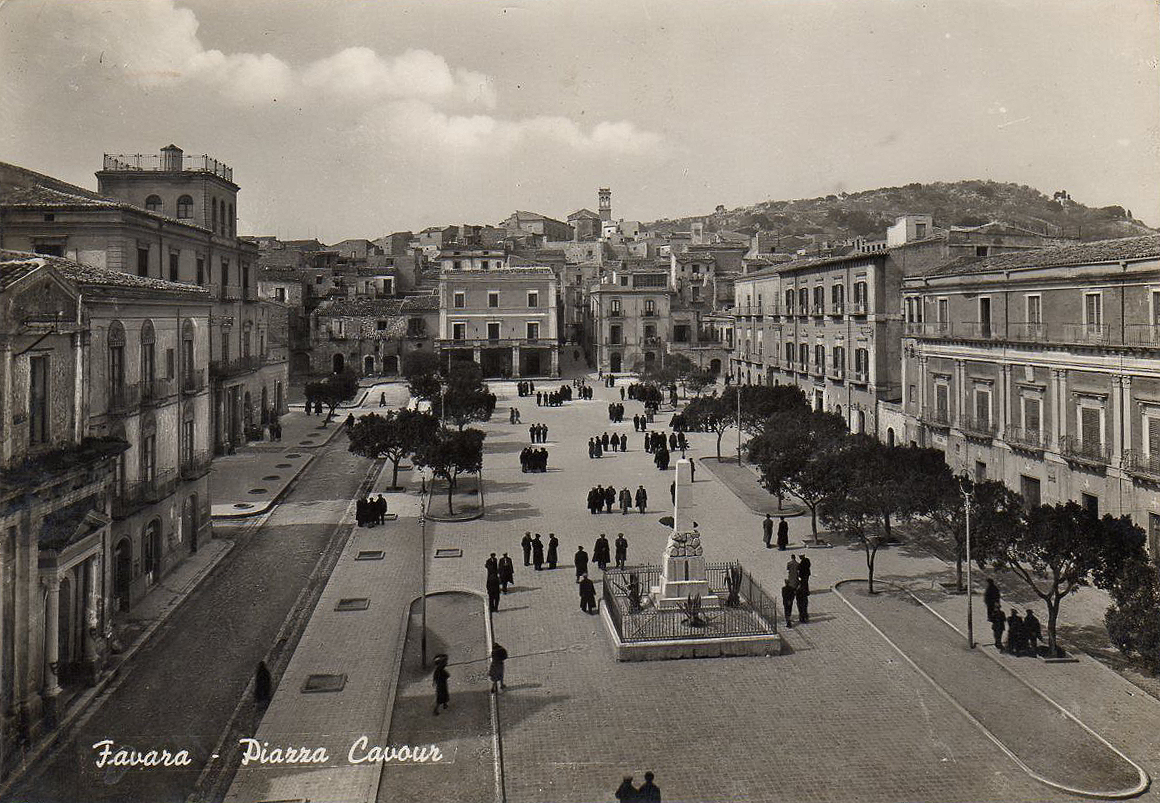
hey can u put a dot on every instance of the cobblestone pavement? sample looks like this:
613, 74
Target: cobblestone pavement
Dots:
840, 717
182, 688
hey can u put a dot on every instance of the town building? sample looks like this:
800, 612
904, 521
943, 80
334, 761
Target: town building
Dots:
1042, 369
371, 336
585, 224
533, 223
506, 319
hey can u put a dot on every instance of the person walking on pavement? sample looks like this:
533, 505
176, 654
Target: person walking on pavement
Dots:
600, 552
382, 400
587, 595
991, 595
625, 501
493, 592
621, 550
641, 499
802, 596
649, 792
782, 534
791, 572
492, 566
767, 531
526, 544
553, 550
507, 573
1033, 632
581, 562
439, 679
788, 594
537, 552
1015, 633
495, 668
998, 625
805, 569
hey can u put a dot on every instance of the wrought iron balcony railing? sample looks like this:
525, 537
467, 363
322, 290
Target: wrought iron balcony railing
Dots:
193, 381
156, 391
124, 399
977, 426
936, 417
195, 464
1028, 439
1080, 451
1142, 465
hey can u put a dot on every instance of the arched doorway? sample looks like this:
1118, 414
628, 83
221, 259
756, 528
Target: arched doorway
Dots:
368, 365
339, 363
122, 573
64, 628
861, 422
151, 548
890, 436
614, 362
189, 521
714, 366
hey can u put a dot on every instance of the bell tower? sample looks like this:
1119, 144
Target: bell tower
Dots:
605, 200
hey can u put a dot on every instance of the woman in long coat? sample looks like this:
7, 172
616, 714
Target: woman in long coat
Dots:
439, 679
601, 555
553, 550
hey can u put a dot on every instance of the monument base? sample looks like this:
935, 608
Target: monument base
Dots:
676, 593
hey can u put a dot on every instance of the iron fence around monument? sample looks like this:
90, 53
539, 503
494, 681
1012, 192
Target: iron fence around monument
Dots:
755, 616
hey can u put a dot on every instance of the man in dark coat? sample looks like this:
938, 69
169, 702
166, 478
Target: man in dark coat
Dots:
553, 550
492, 566
537, 552
587, 595
600, 552
495, 668
788, 594
626, 792
621, 550
998, 625
782, 534
649, 792
581, 562
609, 497
803, 601
767, 531
1015, 633
381, 509
625, 501
526, 544
804, 571
991, 596
1032, 632
507, 573
439, 679
641, 499
493, 592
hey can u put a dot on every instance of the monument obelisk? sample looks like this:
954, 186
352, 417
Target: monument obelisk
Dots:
684, 571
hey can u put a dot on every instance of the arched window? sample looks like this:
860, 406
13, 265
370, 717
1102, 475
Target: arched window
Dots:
153, 203
184, 207
187, 363
148, 355
116, 358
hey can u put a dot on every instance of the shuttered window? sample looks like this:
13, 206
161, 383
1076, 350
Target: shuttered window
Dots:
940, 398
1090, 434
1031, 416
982, 406
1153, 436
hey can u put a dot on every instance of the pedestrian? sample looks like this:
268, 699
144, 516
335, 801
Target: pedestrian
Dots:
998, 625
493, 592
767, 531
1033, 632
1015, 633
673, 491
507, 573
692, 468
537, 552
600, 552
626, 792
492, 566
382, 400
381, 509
526, 544
991, 595
791, 572
439, 679
805, 569
587, 595
262, 684
621, 550
609, 498
581, 562
553, 550
649, 792
788, 593
803, 602
625, 501
782, 534
622, 394
495, 668
641, 499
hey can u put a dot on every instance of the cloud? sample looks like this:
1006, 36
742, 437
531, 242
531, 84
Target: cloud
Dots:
360, 73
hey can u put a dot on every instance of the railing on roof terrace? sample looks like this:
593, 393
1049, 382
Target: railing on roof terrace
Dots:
159, 162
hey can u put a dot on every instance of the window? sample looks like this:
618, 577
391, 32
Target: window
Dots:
174, 267
460, 299
943, 314
142, 261
225, 272
1032, 416
187, 363
919, 231
149, 458
980, 471
184, 207
820, 357
214, 207
230, 220
1093, 311
803, 301
839, 357
615, 309
862, 361
789, 302
458, 331
696, 292
533, 329
980, 250
1029, 487
942, 399
38, 407
153, 203
280, 294
614, 334
681, 333
148, 359
381, 326
1091, 431
985, 316
912, 394
225, 346
650, 307
49, 249
624, 281
493, 330
803, 356
1152, 436
837, 295
1153, 541
789, 353
457, 264
1091, 503
982, 407
1034, 309
819, 298
860, 293
200, 271
1155, 307
492, 299
533, 298
187, 433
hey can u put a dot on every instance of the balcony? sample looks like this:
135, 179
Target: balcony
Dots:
163, 484
250, 292
195, 465
615, 313
819, 310
221, 369
1092, 333
819, 372
156, 391
128, 500
837, 373
652, 340
1027, 332
1142, 334
1093, 455
837, 309
858, 308
859, 377
1143, 465
976, 427
166, 162
231, 292
929, 329
1024, 439
649, 313
193, 382
936, 417
124, 399
977, 330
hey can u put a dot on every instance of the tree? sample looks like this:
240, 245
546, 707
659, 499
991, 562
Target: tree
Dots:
419, 363
993, 505
1133, 619
392, 436
761, 404
1061, 548
802, 453
333, 390
451, 453
462, 404
697, 380
711, 414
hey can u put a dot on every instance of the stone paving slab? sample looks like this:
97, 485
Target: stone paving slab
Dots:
1051, 745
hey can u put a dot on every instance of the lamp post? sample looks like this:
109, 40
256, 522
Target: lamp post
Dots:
423, 564
967, 487
739, 424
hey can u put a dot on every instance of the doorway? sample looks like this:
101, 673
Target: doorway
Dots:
122, 573
339, 363
614, 362
368, 365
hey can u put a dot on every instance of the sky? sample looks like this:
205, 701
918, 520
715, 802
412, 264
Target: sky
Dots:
356, 118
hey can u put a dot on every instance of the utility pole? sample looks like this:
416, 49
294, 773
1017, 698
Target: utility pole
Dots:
423, 559
739, 425
966, 486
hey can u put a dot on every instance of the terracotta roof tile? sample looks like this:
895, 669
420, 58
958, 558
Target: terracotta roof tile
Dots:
1127, 248
93, 277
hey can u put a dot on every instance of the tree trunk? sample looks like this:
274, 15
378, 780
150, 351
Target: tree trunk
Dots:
450, 491
720, 432
814, 521
886, 525
395, 473
870, 567
1052, 620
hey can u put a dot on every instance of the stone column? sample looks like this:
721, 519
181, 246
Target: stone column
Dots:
961, 408
1117, 418
50, 689
78, 420
515, 362
922, 362
6, 383
1128, 417
1060, 406
1004, 400
89, 619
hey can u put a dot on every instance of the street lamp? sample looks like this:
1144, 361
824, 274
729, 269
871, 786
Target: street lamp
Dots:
738, 424
968, 489
423, 559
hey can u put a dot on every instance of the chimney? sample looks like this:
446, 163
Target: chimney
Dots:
171, 158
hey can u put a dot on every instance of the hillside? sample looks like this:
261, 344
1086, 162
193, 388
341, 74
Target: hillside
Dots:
960, 203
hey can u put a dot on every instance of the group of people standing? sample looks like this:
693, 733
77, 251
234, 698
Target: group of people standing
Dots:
525, 388
371, 512
647, 792
554, 398
615, 412
1023, 632
796, 589
533, 459
599, 444
533, 549
601, 499
500, 574
782, 533
514, 415
538, 433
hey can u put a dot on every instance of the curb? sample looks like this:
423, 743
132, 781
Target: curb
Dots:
708, 460
265, 506
1121, 794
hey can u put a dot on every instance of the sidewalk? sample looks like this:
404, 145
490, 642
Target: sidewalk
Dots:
743, 482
